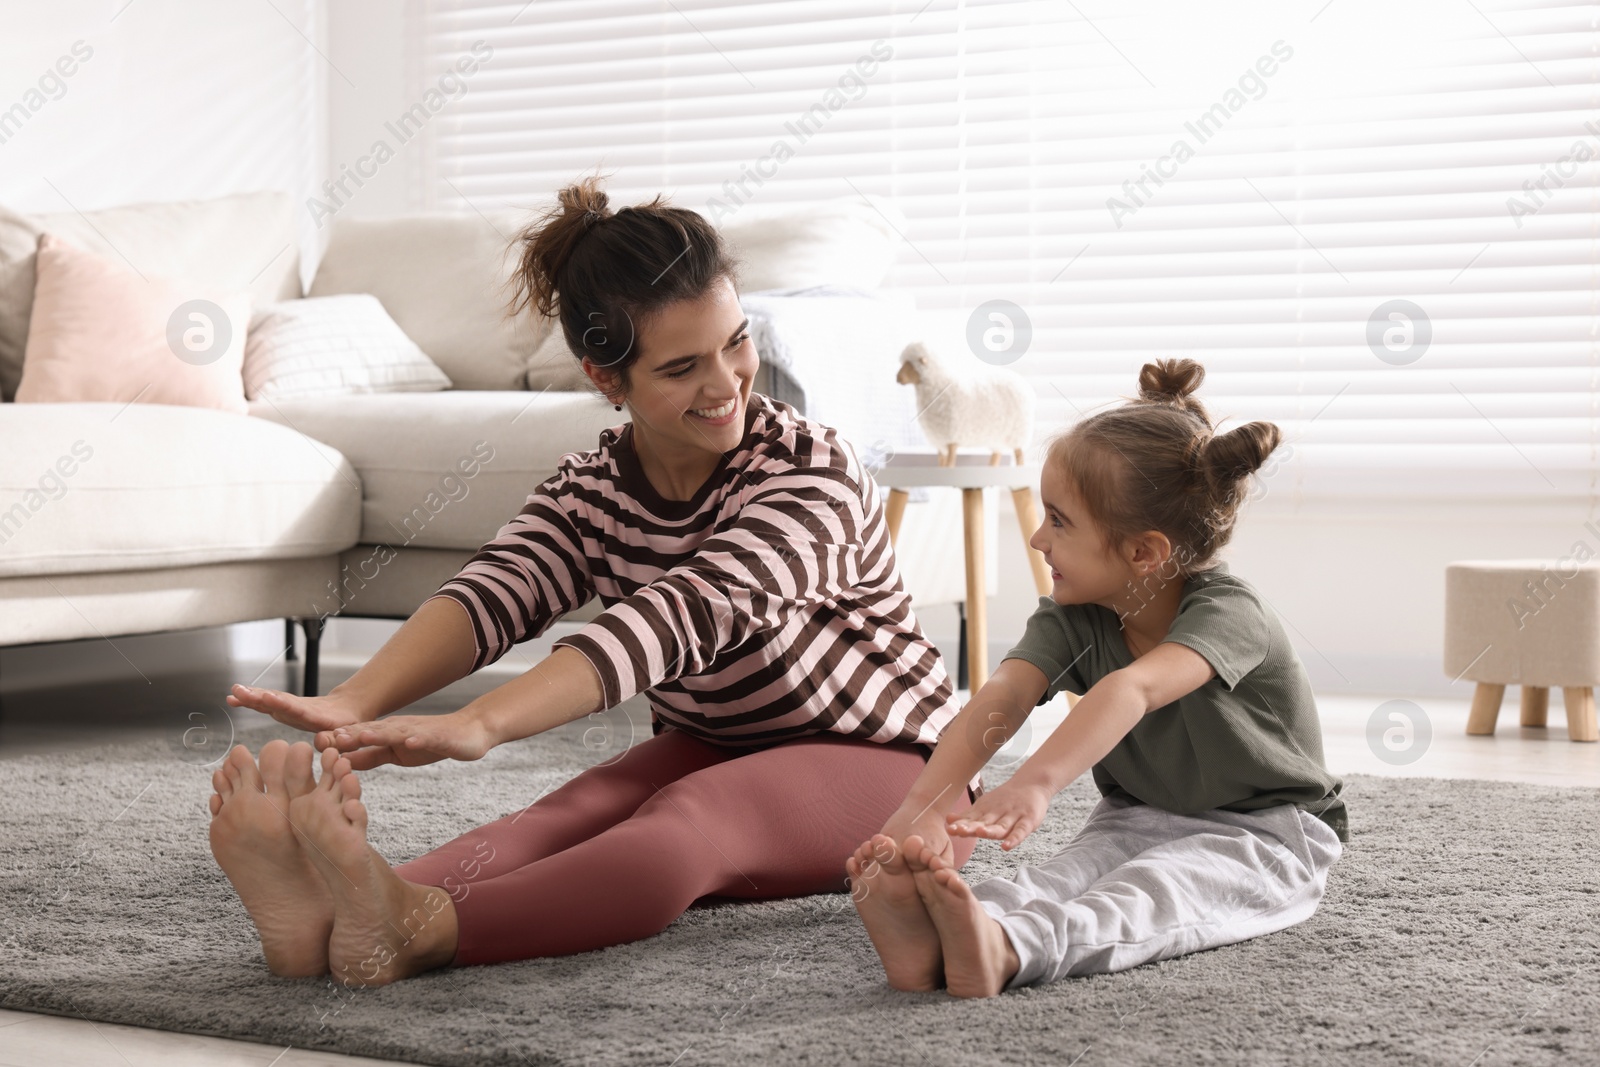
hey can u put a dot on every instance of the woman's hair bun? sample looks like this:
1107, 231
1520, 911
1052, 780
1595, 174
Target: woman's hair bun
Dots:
1170, 380
584, 198
547, 245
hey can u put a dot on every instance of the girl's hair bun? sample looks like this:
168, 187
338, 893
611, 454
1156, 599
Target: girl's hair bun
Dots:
1227, 457
1171, 383
1170, 380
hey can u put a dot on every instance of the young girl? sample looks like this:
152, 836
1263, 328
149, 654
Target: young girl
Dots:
1218, 820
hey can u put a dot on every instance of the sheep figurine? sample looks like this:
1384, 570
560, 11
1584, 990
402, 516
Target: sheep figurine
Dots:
982, 407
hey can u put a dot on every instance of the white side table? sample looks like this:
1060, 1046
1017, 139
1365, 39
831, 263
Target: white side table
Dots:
972, 475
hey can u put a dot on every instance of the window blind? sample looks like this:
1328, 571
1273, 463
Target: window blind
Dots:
1376, 225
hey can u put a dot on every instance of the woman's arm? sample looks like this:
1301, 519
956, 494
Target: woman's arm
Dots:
433, 648
560, 688
530, 574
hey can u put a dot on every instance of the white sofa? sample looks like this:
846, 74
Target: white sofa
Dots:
138, 518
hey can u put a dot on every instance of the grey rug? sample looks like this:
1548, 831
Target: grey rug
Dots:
1461, 927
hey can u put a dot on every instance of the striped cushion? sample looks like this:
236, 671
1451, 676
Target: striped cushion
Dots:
332, 346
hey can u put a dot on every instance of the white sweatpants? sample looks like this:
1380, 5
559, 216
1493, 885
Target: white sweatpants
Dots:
1139, 884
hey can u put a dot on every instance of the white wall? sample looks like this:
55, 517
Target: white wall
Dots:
175, 100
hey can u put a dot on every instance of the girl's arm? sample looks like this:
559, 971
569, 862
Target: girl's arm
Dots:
1111, 708
995, 712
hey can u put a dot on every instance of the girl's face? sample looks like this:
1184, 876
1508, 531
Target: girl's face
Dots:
690, 386
1082, 566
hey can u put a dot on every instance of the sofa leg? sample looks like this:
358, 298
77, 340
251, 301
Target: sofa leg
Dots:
961, 646
313, 628
291, 653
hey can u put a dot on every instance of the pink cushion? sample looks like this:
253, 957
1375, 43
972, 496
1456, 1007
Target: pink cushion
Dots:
99, 331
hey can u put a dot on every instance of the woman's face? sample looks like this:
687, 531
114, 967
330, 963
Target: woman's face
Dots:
691, 384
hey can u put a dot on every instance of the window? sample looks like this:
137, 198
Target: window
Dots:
1375, 224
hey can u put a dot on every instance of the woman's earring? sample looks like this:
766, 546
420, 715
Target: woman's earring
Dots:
617, 406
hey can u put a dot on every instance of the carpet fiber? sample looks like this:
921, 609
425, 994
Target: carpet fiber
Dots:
1460, 927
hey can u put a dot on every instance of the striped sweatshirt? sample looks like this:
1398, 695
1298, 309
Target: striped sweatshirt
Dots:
766, 607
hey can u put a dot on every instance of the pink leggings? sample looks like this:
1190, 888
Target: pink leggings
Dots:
620, 851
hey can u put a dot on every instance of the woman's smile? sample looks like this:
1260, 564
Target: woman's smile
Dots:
720, 415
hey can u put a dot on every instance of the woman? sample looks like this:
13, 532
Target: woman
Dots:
750, 591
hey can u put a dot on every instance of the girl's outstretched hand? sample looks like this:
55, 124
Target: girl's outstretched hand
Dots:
410, 740
1007, 813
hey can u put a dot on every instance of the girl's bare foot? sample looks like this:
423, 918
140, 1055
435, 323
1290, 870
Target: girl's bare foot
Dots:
890, 907
256, 848
978, 958
384, 927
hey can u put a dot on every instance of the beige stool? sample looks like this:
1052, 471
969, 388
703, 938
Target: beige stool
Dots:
1530, 622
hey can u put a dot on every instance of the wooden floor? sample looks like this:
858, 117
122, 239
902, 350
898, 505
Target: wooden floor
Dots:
53, 720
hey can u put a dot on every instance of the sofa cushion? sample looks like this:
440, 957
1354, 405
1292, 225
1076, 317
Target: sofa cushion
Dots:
100, 332
447, 470
333, 346
108, 487
242, 242
442, 278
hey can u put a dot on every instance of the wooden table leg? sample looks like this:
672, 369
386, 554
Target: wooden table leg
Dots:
977, 616
1028, 521
895, 512
1581, 725
1485, 708
1535, 705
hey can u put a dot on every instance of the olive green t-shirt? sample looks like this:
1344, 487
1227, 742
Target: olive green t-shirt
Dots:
1247, 739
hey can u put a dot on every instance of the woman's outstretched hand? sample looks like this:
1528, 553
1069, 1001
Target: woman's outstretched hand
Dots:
311, 714
1008, 813
410, 740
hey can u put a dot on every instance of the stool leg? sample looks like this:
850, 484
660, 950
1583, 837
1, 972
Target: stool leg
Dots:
1485, 708
895, 512
1535, 705
1580, 714
977, 591
1028, 519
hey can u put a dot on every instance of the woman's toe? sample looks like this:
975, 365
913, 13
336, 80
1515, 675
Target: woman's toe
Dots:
356, 812
298, 778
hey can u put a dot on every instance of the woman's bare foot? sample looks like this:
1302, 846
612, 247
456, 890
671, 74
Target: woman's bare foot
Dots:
256, 848
890, 907
978, 958
384, 927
